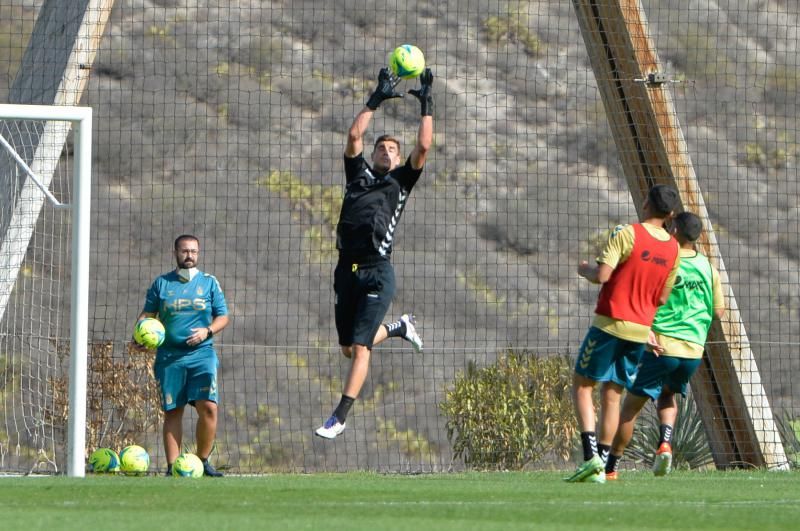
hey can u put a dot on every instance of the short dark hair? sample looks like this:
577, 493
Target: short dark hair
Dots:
663, 200
688, 226
182, 237
387, 138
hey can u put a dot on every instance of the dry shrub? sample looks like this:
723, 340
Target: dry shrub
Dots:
122, 399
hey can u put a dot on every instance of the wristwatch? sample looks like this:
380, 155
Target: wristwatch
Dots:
210, 332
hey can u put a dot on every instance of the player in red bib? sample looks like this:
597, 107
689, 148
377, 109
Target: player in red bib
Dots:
636, 269
676, 346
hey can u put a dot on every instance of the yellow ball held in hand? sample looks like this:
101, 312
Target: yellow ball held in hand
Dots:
407, 61
149, 332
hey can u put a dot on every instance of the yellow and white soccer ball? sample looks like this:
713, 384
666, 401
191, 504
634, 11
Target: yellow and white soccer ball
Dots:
407, 61
187, 466
149, 332
134, 460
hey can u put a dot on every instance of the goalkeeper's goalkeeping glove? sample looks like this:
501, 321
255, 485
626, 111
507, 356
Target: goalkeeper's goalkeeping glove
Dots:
425, 92
385, 89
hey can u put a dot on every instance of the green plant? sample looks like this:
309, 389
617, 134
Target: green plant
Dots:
514, 412
689, 442
777, 158
410, 443
754, 155
512, 28
473, 282
315, 205
789, 429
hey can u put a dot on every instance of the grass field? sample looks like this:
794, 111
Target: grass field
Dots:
752, 500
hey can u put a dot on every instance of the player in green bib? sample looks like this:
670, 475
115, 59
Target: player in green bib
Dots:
675, 347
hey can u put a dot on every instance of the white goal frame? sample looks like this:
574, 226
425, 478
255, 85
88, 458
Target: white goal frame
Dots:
80, 119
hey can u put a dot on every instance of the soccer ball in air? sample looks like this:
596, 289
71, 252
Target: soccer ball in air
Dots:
104, 460
149, 332
134, 460
407, 61
187, 466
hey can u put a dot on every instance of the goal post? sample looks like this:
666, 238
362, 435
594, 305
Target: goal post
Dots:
40, 132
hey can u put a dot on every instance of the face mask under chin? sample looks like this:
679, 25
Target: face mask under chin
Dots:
187, 274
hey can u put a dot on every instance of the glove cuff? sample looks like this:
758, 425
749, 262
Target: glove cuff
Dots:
427, 106
374, 100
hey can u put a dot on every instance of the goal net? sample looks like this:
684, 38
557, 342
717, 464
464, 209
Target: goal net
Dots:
44, 173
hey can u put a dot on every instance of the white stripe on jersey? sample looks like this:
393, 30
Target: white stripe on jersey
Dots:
386, 244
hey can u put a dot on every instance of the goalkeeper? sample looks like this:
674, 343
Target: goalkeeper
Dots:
375, 196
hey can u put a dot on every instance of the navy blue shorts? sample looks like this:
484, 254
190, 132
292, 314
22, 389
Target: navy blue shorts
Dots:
364, 291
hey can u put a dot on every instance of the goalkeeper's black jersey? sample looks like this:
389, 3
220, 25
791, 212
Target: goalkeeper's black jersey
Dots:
372, 207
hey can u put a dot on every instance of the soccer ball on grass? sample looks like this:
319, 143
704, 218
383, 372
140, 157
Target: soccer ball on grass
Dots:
104, 460
134, 460
187, 466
